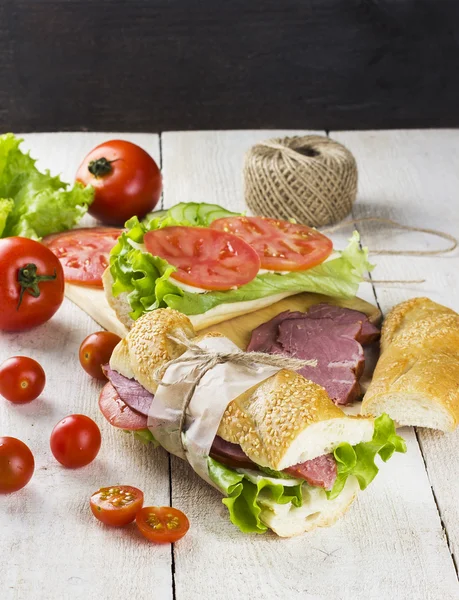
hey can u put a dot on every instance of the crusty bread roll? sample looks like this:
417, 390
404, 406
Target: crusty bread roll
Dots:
416, 381
283, 421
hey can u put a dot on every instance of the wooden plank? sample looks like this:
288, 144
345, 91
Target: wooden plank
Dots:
51, 545
391, 543
206, 64
412, 177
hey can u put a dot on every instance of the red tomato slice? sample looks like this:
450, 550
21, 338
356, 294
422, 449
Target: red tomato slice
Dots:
116, 505
281, 245
162, 525
205, 258
84, 253
117, 412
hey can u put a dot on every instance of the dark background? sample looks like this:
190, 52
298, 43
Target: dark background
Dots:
154, 65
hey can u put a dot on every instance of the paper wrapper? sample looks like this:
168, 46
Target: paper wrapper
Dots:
217, 388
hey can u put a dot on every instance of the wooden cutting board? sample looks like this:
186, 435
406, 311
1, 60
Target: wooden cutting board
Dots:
238, 329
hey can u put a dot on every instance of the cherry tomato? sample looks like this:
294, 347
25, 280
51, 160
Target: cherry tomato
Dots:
22, 379
116, 505
281, 245
95, 350
84, 253
118, 412
126, 179
16, 465
162, 525
205, 258
75, 441
31, 284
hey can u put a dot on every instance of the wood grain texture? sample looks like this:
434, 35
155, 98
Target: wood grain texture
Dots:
154, 65
412, 177
51, 546
391, 544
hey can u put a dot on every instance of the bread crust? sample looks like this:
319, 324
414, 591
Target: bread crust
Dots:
419, 363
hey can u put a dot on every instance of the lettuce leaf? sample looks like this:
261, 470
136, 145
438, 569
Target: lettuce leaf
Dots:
242, 495
359, 460
145, 278
35, 204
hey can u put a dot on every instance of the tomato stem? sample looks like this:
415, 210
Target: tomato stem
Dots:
28, 279
101, 167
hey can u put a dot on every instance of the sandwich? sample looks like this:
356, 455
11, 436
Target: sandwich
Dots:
284, 456
213, 265
416, 380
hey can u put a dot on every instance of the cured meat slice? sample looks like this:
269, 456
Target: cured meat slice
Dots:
320, 471
340, 358
342, 316
118, 412
130, 391
264, 337
230, 454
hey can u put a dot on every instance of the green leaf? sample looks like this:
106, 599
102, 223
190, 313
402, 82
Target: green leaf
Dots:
243, 494
359, 460
145, 436
35, 204
136, 272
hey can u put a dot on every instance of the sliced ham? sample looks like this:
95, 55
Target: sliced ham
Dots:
320, 471
264, 337
118, 412
340, 358
345, 316
130, 391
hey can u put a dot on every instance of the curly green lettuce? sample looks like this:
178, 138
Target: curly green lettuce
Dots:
35, 204
146, 278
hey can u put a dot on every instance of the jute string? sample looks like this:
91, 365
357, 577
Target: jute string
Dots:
208, 359
395, 225
312, 179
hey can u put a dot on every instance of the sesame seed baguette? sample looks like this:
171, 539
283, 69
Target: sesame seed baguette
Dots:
283, 421
416, 380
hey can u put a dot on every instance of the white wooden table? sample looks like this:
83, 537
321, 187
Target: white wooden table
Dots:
399, 541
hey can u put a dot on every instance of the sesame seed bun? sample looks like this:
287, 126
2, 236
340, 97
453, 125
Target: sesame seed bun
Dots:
283, 421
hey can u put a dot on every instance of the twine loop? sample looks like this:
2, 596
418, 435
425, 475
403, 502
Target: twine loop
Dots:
207, 359
311, 179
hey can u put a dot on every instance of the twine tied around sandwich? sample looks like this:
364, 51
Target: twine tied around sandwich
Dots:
206, 360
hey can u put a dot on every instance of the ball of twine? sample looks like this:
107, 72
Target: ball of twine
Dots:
311, 179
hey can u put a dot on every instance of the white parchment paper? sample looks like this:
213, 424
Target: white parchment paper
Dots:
217, 388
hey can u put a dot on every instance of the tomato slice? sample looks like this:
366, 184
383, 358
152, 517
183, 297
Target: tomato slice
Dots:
281, 245
205, 258
118, 412
84, 253
116, 505
164, 525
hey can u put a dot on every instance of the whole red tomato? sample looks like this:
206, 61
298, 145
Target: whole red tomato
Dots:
22, 379
75, 441
126, 179
31, 284
16, 465
95, 351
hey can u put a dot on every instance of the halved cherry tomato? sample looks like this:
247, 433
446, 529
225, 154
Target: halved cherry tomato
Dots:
126, 179
31, 284
75, 441
118, 412
164, 525
16, 465
281, 245
22, 379
116, 505
84, 253
95, 350
205, 258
